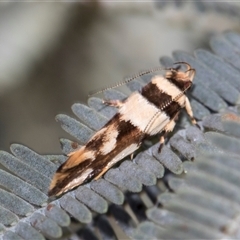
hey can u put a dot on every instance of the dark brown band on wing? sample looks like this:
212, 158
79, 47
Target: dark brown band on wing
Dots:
135, 136
155, 96
96, 143
172, 109
126, 130
161, 100
127, 134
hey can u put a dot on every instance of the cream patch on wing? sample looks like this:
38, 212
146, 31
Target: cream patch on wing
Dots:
110, 139
166, 86
158, 123
138, 110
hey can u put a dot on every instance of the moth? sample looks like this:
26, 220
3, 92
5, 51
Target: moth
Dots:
153, 110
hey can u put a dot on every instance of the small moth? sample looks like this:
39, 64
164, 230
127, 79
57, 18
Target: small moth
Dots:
151, 111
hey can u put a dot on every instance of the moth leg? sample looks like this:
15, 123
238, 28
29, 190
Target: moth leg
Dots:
113, 103
105, 169
169, 127
189, 111
162, 140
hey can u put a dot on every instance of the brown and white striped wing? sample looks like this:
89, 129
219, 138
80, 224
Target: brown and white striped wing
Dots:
151, 111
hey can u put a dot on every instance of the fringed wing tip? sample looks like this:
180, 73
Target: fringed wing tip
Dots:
54, 189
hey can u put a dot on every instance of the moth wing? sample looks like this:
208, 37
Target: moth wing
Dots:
77, 157
63, 182
72, 173
157, 123
127, 150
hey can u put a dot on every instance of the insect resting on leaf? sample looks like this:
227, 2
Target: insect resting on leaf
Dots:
151, 111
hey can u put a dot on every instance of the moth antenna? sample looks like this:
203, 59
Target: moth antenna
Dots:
151, 121
186, 64
128, 80
191, 74
191, 70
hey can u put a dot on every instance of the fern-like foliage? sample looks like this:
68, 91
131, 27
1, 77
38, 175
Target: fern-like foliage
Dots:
155, 195
231, 10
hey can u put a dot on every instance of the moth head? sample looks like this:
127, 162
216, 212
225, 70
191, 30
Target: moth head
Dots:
183, 79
